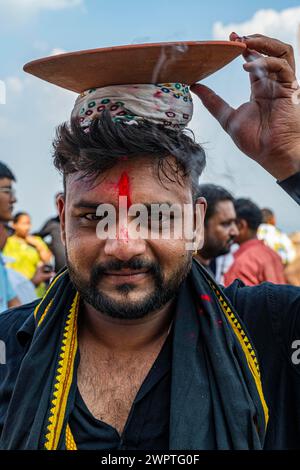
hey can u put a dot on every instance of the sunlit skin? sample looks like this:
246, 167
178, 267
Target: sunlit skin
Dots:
23, 226
220, 232
7, 200
78, 222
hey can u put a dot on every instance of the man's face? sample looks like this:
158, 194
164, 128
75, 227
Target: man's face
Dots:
124, 277
220, 231
23, 226
3, 236
7, 199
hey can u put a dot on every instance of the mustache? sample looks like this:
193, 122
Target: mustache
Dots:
118, 265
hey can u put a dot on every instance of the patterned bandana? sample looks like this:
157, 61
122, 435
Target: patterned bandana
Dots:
168, 104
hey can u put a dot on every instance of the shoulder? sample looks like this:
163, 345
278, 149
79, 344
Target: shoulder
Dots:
11, 241
271, 313
39, 239
16, 329
282, 299
13, 319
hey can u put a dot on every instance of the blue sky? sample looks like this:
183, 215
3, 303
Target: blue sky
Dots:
100, 23
33, 108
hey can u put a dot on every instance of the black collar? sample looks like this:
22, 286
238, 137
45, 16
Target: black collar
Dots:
26, 331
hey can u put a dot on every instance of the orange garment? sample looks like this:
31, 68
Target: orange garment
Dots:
254, 263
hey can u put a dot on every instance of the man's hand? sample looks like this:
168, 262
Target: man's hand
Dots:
267, 127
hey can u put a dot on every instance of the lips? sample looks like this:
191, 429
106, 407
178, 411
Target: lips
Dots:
125, 272
125, 276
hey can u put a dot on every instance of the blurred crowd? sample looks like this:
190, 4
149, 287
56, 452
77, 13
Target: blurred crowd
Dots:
242, 241
28, 260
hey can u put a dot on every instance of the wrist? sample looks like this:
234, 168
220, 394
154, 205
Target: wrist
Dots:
284, 167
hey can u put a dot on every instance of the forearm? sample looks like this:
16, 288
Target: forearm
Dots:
45, 255
44, 252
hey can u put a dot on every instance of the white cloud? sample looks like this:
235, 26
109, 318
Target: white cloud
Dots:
282, 25
20, 11
14, 84
38, 5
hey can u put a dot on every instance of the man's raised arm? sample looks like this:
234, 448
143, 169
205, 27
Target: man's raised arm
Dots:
267, 127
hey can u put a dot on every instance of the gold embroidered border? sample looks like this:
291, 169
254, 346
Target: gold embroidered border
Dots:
46, 294
70, 442
247, 348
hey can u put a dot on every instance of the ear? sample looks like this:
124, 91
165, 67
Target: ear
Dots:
242, 225
61, 204
199, 216
242, 228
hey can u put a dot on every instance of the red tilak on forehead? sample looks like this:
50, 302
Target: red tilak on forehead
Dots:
124, 187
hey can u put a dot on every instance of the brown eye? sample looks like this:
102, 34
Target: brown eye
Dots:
93, 217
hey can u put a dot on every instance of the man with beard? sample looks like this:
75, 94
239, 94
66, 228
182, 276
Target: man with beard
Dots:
220, 229
134, 346
254, 262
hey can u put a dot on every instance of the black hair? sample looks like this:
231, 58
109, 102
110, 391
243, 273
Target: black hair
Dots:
18, 215
5, 172
267, 214
100, 149
213, 195
247, 210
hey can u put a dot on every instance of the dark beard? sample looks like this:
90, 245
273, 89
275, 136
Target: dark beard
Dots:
164, 290
214, 250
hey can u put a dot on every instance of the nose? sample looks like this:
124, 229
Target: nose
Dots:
124, 249
13, 198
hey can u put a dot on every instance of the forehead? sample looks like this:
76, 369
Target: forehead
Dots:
5, 182
225, 210
23, 218
137, 178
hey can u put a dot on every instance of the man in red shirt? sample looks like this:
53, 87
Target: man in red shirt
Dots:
254, 262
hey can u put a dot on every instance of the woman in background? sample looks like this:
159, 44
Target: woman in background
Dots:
28, 252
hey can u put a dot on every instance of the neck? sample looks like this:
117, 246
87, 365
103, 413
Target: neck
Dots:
252, 236
19, 236
124, 335
202, 260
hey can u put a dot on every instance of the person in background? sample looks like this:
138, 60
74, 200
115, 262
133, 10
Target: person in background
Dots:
28, 251
220, 228
254, 262
292, 270
24, 288
52, 228
275, 238
8, 297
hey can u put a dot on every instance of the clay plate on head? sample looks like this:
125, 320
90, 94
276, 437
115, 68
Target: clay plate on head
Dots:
183, 62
